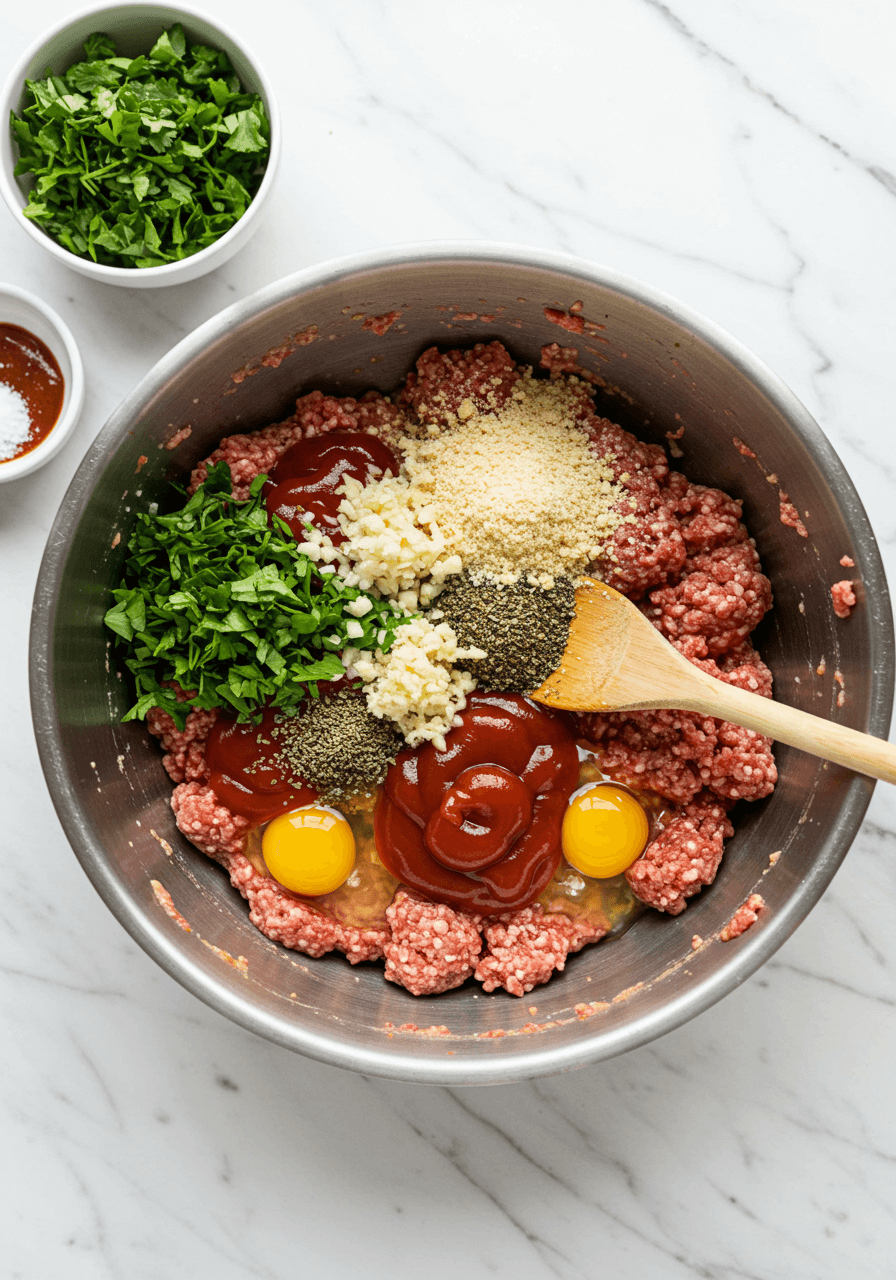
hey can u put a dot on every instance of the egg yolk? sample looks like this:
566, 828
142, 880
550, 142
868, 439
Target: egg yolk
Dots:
604, 831
310, 851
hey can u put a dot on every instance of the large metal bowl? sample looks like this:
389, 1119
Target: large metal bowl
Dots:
664, 368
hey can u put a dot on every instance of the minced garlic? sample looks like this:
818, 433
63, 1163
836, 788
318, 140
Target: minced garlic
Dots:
393, 541
416, 684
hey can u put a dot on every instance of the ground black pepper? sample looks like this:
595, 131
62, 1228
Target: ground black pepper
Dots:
336, 745
523, 628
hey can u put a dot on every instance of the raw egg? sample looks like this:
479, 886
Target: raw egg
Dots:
310, 851
604, 831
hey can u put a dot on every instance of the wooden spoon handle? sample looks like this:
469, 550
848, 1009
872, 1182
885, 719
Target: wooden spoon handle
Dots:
860, 751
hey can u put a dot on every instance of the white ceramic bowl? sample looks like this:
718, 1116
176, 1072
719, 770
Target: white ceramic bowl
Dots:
27, 311
134, 28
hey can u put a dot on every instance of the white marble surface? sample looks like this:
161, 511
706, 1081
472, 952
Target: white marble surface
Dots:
743, 157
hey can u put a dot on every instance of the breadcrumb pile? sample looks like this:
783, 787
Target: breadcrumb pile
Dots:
519, 490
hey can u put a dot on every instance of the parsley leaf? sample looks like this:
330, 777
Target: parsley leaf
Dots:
222, 602
118, 147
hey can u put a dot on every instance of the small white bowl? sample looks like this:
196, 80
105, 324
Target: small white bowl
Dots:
134, 28
23, 309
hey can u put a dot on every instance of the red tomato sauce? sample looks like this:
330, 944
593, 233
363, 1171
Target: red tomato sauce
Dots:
308, 474
29, 367
243, 774
478, 825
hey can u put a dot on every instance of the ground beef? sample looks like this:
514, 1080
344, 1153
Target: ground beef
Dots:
444, 380
683, 857
721, 597
317, 414
432, 948
279, 915
742, 765
286, 919
743, 667
746, 915
248, 456
790, 516
708, 518
524, 948
210, 826
843, 597
627, 455
362, 944
647, 548
561, 360
184, 748
653, 750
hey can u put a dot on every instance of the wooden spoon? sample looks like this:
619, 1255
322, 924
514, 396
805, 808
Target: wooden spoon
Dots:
615, 660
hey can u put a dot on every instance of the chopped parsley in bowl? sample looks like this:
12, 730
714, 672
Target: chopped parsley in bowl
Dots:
155, 144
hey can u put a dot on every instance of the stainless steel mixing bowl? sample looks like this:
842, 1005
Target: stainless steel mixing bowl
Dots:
663, 369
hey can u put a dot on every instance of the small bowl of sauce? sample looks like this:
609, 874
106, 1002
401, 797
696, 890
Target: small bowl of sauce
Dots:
41, 383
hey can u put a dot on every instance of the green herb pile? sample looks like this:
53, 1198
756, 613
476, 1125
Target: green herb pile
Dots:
220, 600
141, 161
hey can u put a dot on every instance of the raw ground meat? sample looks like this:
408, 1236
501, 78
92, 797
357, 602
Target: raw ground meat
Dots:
443, 380
317, 414
721, 597
790, 516
708, 518
210, 826
432, 948
683, 552
746, 915
248, 456
626, 454
563, 360
184, 748
843, 597
652, 750
744, 667
286, 919
647, 548
525, 948
684, 856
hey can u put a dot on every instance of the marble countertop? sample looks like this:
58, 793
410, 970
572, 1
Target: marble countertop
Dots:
743, 158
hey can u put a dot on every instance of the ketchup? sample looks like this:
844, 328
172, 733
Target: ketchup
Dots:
308, 474
243, 774
31, 372
478, 825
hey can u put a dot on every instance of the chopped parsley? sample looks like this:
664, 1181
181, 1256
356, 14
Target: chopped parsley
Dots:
141, 161
218, 599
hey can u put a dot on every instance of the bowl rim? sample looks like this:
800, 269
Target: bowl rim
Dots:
168, 272
65, 424
528, 1061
